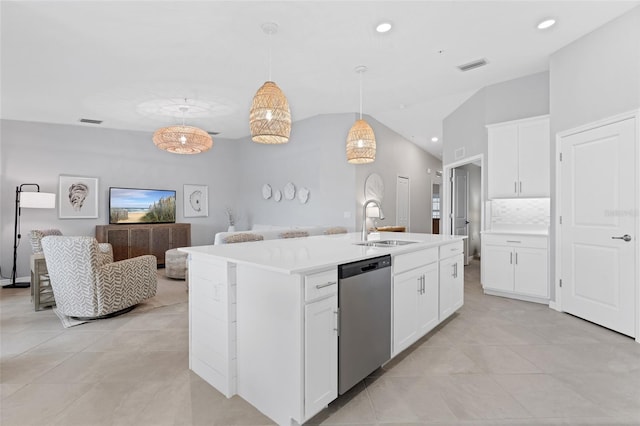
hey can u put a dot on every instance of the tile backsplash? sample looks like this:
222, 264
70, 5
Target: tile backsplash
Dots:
520, 211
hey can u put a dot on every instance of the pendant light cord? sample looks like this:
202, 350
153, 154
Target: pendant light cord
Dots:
360, 95
269, 56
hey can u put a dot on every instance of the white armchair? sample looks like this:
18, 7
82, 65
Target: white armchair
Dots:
86, 286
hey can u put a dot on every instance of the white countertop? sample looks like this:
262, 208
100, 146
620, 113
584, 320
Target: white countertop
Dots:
302, 255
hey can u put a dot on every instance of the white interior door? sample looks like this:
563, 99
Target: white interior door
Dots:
402, 202
599, 193
460, 207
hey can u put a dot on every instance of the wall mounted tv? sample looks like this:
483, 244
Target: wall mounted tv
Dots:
132, 205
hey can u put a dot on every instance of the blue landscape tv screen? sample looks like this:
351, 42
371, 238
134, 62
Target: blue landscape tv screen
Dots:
132, 205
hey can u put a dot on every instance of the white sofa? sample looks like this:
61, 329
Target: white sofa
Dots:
269, 232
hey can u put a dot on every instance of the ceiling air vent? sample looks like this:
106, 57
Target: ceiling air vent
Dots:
473, 65
90, 121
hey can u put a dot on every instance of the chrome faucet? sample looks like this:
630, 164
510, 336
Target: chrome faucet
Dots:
365, 234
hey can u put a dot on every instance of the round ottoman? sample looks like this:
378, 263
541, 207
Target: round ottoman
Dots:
175, 264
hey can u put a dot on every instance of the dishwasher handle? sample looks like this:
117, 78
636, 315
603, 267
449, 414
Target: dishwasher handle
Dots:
369, 267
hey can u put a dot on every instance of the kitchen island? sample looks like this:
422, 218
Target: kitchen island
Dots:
264, 317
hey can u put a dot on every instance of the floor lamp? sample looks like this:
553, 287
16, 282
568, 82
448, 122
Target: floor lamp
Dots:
31, 200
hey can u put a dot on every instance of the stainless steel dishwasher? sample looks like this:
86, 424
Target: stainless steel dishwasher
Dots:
364, 302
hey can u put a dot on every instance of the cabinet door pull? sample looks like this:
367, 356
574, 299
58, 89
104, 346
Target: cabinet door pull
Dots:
515, 187
337, 327
330, 283
423, 286
516, 258
455, 270
521, 187
514, 241
511, 258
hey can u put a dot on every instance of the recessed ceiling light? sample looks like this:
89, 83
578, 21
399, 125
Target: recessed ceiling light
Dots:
434, 139
383, 27
547, 23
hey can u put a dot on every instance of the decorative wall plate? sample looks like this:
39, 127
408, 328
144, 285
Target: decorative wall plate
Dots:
277, 196
266, 191
303, 195
289, 191
374, 187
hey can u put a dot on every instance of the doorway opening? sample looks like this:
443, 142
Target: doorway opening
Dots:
462, 203
435, 208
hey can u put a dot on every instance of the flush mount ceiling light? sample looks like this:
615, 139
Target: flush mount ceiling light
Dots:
270, 117
383, 27
361, 141
183, 139
546, 23
434, 139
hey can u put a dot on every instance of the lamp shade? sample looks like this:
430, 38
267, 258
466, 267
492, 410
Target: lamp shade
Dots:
270, 117
37, 200
182, 139
361, 143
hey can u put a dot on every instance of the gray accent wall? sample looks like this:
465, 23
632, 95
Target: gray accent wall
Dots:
233, 170
314, 158
396, 156
39, 153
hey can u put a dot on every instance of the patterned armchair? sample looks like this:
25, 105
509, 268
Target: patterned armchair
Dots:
85, 287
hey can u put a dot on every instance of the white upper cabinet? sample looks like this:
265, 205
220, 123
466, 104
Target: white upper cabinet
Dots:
519, 163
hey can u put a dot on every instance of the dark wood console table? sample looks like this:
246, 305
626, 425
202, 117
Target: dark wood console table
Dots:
136, 240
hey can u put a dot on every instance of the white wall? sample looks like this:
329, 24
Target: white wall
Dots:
510, 100
598, 75
595, 77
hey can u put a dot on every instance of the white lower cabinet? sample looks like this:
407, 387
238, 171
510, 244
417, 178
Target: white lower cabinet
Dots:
415, 305
320, 343
212, 337
515, 265
321, 354
451, 285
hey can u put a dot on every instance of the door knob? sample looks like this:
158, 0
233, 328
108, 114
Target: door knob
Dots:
625, 237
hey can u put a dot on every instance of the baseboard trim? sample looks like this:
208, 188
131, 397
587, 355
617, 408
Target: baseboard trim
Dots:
7, 281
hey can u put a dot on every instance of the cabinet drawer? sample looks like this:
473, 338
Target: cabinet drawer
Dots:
407, 261
532, 241
320, 284
452, 249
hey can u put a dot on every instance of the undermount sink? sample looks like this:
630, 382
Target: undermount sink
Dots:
385, 243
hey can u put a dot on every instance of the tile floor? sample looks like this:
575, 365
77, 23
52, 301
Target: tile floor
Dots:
497, 361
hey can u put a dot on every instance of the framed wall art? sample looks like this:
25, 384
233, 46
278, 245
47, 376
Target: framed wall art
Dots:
196, 201
78, 197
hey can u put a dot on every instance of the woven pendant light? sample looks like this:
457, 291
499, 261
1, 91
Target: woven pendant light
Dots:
270, 116
182, 139
361, 141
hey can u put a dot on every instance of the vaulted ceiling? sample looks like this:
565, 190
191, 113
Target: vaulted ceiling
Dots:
131, 64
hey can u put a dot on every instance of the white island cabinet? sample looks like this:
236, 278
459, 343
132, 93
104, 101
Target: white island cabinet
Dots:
451, 279
264, 315
415, 296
